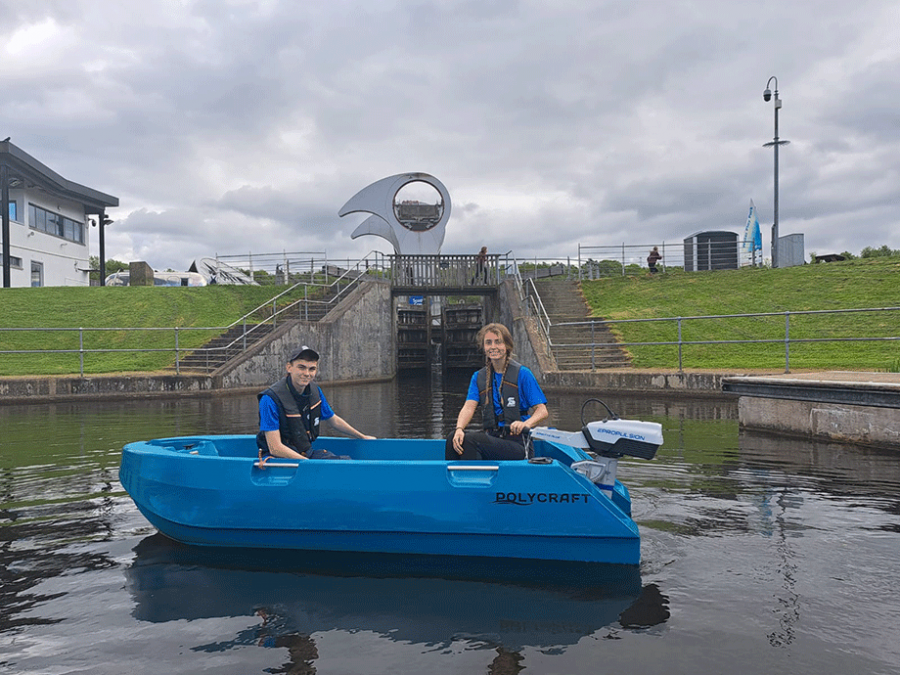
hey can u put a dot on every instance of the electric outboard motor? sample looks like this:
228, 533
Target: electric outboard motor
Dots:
614, 438
606, 441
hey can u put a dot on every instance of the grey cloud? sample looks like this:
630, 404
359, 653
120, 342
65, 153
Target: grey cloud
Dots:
247, 125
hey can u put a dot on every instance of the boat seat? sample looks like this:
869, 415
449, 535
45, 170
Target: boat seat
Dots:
200, 447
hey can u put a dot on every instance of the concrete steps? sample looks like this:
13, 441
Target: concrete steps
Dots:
232, 343
587, 348
222, 348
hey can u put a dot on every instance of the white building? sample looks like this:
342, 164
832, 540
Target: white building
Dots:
46, 223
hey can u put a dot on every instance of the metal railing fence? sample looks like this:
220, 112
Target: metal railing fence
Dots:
448, 271
784, 338
597, 262
323, 290
326, 284
536, 310
130, 333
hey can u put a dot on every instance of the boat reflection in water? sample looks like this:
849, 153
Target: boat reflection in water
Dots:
504, 605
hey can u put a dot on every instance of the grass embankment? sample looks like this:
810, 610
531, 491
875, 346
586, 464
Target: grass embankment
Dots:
115, 307
845, 285
855, 284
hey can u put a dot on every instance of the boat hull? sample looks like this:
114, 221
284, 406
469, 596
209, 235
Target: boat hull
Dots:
396, 496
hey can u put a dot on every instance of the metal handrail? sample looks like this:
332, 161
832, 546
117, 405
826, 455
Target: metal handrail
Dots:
787, 340
623, 259
345, 280
338, 282
544, 323
357, 266
531, 301
541, 316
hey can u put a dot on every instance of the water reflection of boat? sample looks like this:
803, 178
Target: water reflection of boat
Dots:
420, 599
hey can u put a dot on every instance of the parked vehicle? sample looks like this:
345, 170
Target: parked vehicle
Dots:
160, 279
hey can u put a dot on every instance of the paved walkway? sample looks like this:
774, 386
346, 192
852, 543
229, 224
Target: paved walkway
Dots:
850, 407
841, 376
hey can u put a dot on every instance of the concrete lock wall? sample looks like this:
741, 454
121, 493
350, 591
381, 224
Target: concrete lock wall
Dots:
356, 342
50, 389
708, 385
845, 423
529, 349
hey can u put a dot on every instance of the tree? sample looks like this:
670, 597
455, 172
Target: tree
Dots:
111, 266
884, 252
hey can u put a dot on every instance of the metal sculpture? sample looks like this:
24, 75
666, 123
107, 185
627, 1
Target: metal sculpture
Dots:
412, 228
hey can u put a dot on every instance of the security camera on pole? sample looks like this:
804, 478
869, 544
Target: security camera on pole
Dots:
767, 96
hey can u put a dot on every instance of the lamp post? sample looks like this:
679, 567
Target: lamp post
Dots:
103, 221
767, 96
4, 219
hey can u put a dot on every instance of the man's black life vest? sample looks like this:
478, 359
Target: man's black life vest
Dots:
298, 415
509, 397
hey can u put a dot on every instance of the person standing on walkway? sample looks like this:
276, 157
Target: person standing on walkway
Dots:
652, 259
481, 269
511, 399
291, 410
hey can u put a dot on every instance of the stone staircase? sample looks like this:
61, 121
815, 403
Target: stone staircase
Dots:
230, 344
222, 348
564, 303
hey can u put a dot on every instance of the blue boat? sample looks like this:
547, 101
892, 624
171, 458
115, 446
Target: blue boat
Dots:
398, 496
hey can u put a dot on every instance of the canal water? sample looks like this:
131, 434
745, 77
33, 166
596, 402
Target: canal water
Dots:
760, 555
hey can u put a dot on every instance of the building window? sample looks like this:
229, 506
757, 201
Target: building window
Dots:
13, 211
15, 262
43, 220
37, 274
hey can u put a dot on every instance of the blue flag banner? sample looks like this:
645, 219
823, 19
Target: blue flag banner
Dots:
752, 236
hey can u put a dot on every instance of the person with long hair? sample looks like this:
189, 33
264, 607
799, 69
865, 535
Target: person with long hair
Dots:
511, 399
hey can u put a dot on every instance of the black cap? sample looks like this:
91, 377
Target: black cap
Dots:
305, 353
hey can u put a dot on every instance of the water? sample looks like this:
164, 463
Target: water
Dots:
760, 554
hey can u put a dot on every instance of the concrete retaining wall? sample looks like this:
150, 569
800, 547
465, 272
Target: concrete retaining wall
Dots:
849, 407
54, 389
530, 350
843, 423
657, 383
356, 341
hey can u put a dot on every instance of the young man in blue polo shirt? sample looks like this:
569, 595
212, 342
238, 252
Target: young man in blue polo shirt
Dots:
291, 410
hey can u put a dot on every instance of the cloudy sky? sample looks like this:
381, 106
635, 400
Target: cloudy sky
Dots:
231, 126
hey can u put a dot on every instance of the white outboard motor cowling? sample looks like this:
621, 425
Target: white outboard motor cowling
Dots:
609, 438
617, 437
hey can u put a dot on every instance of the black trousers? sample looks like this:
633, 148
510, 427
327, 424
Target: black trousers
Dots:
482, 445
